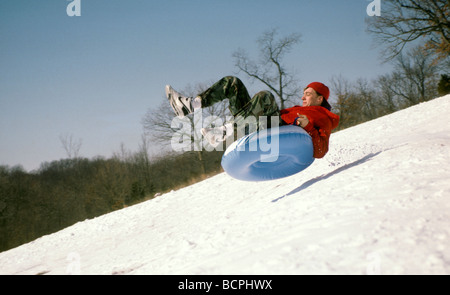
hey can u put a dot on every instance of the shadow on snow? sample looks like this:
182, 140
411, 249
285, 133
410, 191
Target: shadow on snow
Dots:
323, 177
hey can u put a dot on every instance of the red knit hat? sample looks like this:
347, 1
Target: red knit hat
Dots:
322, 90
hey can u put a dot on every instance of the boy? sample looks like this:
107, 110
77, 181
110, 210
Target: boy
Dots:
315, 116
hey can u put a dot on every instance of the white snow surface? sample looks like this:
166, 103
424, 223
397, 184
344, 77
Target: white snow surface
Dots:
378, 203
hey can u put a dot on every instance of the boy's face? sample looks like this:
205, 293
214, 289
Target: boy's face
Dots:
310, 98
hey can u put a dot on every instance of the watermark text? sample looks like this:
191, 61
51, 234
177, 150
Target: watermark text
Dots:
74, 8
187, 134
374, 8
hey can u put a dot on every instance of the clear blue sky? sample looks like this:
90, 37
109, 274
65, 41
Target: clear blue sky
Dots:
94, 76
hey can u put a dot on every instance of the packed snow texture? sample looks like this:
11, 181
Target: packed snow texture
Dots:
378, 203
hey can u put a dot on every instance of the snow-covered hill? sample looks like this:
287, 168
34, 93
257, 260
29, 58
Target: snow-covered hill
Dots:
378, 203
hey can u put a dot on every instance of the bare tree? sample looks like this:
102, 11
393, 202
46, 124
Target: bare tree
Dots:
369, 108
414, 79
161, 125
157, 123
404, 21
387, 97
362, 100
349, 103
269, 69
70, 145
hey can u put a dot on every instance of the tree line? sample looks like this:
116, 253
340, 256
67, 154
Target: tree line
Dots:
416, 78
61, 193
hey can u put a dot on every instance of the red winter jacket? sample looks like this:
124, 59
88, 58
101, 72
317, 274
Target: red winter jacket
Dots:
321, 122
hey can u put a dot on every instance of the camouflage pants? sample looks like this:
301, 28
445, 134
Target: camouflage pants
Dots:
241, 105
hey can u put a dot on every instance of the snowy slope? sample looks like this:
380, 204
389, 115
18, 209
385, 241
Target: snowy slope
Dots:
378, 203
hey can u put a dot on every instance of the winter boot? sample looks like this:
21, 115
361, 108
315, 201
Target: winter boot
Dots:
182, 105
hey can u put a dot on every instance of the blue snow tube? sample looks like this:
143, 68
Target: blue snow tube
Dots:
269, 154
